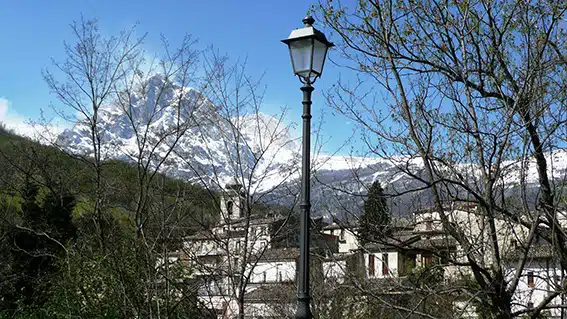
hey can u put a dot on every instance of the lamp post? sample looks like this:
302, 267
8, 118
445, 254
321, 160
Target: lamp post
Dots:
308, 49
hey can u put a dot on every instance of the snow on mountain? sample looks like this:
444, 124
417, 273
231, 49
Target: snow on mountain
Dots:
183, 134
162, 121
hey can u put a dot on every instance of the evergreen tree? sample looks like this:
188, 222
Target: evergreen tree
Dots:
376, 217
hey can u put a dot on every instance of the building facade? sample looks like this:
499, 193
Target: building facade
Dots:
242, 266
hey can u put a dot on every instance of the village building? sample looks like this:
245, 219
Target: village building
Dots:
248, 247
255, 247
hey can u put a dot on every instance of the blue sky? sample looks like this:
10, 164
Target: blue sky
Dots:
32, 32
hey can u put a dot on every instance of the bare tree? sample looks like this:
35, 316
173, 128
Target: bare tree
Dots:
108, 79
255, 207
91, 71
191, 110
472, 92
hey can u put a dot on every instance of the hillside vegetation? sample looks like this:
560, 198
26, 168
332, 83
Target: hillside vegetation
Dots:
63, 258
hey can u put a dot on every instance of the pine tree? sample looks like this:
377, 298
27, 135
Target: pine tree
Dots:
376, 217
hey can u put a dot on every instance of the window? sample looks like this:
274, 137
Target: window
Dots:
264, 275
222, 310
371, 265
229, 207
236, 262
513, 244
427, 260
531, 281
220, 288
238, 246
530, 305
342, 236
385, 268
428, 225
445, 257
409, 262
280, 277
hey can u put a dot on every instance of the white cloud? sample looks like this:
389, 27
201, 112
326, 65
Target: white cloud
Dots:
3, 108
37, 130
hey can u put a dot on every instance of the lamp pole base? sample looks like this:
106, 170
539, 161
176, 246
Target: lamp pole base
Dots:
303, 310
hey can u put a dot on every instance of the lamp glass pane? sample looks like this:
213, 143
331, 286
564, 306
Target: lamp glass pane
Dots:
319, 53
301, 55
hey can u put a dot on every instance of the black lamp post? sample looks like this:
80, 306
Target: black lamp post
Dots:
308, 50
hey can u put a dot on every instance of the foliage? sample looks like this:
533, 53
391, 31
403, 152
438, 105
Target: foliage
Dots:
35, 246
55, 262
426, 277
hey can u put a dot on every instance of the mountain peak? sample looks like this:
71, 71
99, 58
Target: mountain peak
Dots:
159, 110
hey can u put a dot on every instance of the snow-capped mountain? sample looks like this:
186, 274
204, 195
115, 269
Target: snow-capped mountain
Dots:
182, 133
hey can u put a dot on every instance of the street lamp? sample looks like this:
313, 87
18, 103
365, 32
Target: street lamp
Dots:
308, 49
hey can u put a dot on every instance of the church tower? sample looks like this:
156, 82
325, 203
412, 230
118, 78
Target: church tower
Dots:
232, 201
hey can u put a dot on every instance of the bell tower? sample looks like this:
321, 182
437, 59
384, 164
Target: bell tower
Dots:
232, 201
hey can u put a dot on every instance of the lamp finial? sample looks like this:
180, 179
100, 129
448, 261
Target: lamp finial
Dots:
308, 21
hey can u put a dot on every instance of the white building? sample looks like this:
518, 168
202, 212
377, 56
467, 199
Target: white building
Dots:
347, 234
540, 278
217, 256
250, 248
241, 245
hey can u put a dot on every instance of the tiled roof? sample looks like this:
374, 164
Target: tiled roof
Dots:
410, 240
403, 239
387, 286
207, 235
429, 243
278, 292
451, 206
535, 251
279, 254
254, 220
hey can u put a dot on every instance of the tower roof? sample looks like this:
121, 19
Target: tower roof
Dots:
233, 184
